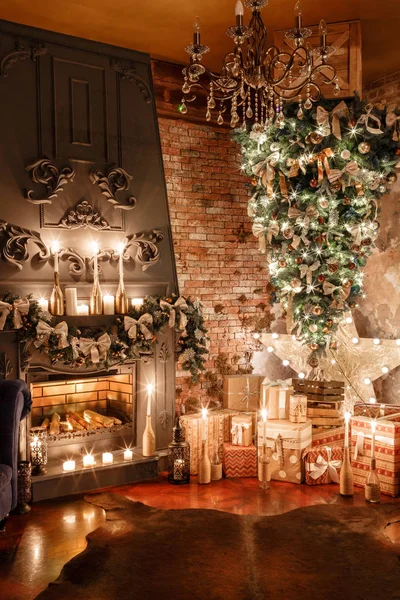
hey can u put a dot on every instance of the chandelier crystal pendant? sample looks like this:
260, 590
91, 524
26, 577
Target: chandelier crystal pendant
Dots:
256, 79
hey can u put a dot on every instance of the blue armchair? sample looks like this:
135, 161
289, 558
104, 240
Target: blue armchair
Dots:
15, 404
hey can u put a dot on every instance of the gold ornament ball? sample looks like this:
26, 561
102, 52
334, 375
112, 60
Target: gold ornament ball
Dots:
313, 183
314, 346
315, 137
323, 202
317, 310
282, 263
295, 283
364, 147
290, 162
392, 179
313, 328
346, 201
288, 233
345, 154
336, 186
313, 362
333, 345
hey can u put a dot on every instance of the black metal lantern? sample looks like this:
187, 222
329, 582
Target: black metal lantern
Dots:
178, 456
38, 448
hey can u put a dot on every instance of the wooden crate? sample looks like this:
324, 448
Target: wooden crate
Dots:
324, 401
345, 37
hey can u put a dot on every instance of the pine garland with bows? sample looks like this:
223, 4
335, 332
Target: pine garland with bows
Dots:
131, 337
315, 181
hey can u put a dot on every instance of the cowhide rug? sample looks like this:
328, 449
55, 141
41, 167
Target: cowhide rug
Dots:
315, 553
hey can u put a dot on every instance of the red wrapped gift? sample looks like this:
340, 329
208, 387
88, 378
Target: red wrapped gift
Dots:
240, 461
327, 437
323, 464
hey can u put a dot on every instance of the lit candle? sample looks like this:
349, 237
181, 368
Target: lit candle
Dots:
128, 454
204, 414
264, 416
83, 310
149, 398
373, 429
44, 304
107, 458
71, 301
179, 465
108, 304
196, 31
382, 410
347, 417
55, 248
137, 302
88, 460
239, 13
69, 465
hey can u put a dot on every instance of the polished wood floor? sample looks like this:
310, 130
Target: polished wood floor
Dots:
36, 546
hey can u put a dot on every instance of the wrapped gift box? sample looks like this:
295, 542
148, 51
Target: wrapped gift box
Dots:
219, 427
242, 392
242, 430
287, 441
322, 464
275, 396
240, 461
387, 446
322, 436
298, 408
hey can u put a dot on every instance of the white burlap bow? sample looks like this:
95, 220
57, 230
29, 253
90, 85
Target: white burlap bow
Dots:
351, 169
259, 232
299, 238
321, 465
132, 326
44, 331
367, 117
75, 347
176, 312
307, 271
97, 348
19, 307
323, 119
237, 432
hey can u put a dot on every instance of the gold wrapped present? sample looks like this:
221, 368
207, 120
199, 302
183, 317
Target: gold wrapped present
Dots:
275, 396
298, 408
242, 430
242, 392
218, 431
287, 441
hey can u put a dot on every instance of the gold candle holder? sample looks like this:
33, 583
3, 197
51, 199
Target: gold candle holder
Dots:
96, 296
263, 469
346, 475
204, 464
121, 299
57, 297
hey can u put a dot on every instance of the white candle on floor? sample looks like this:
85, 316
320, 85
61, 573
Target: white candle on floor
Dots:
71, 301
107, 458
108, 304
69, 465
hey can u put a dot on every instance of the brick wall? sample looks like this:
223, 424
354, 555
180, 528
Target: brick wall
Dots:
387, 88
216, 254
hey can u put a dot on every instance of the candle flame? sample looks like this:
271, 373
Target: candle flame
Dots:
204, 412
120, 247
264, 414
347, 416
149, 388
95, 247
55, 246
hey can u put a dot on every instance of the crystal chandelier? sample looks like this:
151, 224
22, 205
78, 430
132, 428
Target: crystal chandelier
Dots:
255, 79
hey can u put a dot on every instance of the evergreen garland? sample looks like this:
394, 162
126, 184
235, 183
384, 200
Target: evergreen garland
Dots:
191, 346
315, 181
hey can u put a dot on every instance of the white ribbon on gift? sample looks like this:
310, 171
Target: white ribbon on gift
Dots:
237, 432
176, 310
44, 331
97, 348
132, 325
321, 465
19, 307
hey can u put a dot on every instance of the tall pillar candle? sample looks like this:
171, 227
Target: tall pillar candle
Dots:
71, 301
108, 304
373, 429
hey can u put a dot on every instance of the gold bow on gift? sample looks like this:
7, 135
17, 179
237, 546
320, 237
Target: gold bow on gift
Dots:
19, 307
307, 271
97, 348
176, 310
321, 465
132, 325
323, 119
44, 331
259, 232
367, 117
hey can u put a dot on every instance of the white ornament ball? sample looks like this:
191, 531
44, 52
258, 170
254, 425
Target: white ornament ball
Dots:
313, 328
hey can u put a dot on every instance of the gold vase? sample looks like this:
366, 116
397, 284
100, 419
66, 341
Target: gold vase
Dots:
57, 297
149, 439
121, 300
372, 485
96, 300
263, 469
346, 475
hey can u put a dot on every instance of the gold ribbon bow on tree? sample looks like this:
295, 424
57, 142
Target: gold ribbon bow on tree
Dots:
97, 348
330, 289
307, 271
324, 118
266, 172
259, 232
19, 307
367, 117
392, 120
237, 432
176, 312
132, 326
44, 331
351, 169
321, 465
322, 162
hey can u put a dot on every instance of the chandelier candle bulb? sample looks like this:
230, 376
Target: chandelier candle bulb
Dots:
88, 460
196, 31
298, 13
69, 465
71, 301
322, 33
108, 304
107, 458
128, 454
239, 13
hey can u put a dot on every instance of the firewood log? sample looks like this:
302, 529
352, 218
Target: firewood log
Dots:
55, 424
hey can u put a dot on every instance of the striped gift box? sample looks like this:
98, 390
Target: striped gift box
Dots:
240, 461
